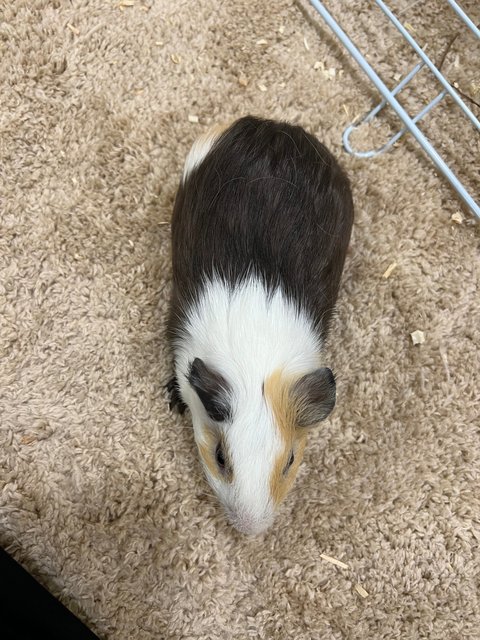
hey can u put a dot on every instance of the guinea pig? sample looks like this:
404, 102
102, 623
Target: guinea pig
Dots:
260, 228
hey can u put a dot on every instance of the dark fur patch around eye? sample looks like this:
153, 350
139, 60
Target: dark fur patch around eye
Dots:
220, 456
212, 389
211, 444
291, 460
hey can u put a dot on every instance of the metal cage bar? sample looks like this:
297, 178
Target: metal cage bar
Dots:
463, 16
376, 110
389, 95
421, 53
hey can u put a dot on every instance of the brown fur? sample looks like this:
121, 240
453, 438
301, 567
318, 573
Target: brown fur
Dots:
211, 437
277, 392
269, 200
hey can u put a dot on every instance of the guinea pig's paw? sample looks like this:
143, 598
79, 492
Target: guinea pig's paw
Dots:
175, 399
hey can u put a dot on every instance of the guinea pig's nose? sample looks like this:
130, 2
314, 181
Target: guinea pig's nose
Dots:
250, 524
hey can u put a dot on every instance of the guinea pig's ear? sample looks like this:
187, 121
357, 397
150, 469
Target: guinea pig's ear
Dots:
212, 389
314, 397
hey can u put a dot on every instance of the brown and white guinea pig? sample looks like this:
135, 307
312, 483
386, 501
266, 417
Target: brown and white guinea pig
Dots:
260, 229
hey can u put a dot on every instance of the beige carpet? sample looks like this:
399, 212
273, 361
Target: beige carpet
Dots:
102, 497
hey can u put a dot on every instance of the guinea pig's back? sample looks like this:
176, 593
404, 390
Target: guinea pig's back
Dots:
267, 200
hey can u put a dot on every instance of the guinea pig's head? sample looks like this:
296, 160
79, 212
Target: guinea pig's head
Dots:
251, 435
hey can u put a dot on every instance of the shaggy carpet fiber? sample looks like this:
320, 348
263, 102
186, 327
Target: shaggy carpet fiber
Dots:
102, 496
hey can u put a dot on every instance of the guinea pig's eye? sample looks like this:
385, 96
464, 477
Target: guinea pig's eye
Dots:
220, 456
290, 462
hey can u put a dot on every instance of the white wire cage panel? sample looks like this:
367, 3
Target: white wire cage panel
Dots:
390, 96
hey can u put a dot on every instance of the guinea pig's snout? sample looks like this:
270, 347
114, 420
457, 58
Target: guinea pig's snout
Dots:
248, 523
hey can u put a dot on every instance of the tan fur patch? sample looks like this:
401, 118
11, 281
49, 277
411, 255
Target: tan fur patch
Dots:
202, 146
277, 392
207, 447
216, 130
212, 134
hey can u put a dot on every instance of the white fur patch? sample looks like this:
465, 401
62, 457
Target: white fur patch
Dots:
246, 335
200, 149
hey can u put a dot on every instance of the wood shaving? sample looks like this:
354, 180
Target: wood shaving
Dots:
328, 73
262, 87
193, 119
174, 58
337, 563
458, 218
389, 270
28, 439
73, 29
361, 591
242, 80
418, 337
